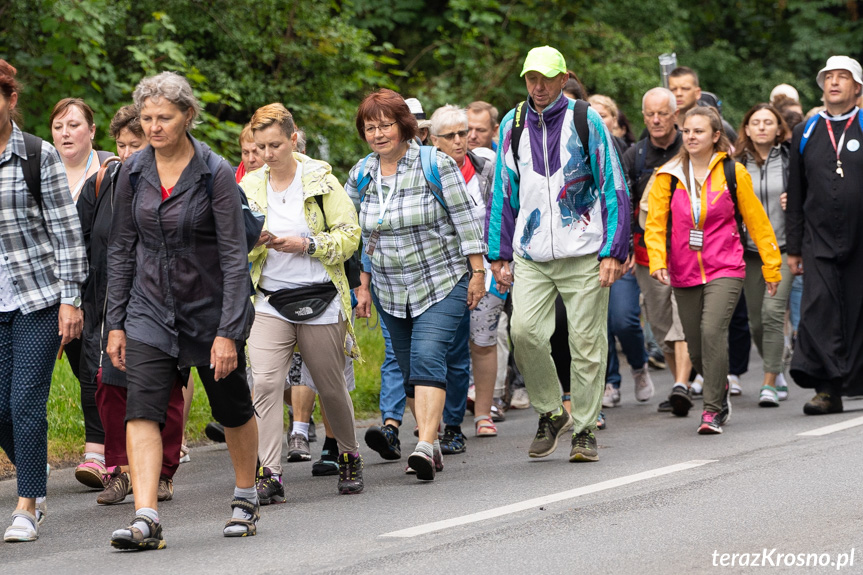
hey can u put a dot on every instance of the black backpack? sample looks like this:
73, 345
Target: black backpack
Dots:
579, 117
728, 166
353, 265
31, 166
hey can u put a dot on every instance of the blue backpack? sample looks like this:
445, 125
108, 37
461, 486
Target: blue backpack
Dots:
428, 159
253, 222
810, 127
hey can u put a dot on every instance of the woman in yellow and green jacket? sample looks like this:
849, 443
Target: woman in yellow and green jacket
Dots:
302, 296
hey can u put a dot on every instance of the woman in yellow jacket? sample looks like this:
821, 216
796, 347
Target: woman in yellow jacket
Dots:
302, 296
701, 256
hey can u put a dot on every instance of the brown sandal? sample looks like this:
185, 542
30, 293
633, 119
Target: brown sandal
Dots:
137, 542
253, 509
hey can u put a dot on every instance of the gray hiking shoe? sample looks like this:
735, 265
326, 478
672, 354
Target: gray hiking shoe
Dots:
551, 427
298, 448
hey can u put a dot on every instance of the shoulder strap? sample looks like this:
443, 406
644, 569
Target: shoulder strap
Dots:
640, 157
32, 166
363, 179
320, 199
213, 163
582, 128
517, 129
101, 174
428, 159
810, 126
729, 166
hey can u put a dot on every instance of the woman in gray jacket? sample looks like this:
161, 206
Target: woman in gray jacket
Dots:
762, 149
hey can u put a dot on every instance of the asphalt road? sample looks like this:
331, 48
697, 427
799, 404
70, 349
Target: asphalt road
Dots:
661, 500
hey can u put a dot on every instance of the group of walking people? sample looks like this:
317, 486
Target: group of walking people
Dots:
164, 258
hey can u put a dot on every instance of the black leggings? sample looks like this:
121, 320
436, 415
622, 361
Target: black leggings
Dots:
93, 430
560, 345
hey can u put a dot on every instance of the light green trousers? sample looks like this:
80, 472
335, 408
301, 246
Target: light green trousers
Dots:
535, 288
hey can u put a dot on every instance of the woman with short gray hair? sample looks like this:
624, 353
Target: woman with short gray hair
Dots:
178, 298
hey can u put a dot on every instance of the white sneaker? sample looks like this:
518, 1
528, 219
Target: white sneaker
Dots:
520, 399
781, 387
697, 387
734, 385
608, 398
643, 384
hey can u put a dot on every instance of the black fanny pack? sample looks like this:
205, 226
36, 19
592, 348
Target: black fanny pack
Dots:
301, 304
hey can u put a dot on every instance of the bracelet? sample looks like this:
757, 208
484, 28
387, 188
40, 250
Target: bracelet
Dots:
479, 271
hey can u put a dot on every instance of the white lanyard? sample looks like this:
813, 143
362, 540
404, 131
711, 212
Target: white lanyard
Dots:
384, 204
77, 190
694, 200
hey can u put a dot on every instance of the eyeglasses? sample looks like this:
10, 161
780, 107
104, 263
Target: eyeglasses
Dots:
384, 128
461, 134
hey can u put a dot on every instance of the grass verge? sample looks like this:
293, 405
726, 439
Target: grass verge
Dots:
66, 422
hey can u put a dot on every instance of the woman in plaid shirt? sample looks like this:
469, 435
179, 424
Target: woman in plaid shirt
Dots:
417, 240
42, 266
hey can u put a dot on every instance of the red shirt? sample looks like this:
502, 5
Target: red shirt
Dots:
467, 169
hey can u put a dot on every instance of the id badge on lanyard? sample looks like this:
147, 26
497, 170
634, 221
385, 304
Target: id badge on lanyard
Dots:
696, 236
384, 204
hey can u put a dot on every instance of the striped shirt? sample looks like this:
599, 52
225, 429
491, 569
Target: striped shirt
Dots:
421, 253
41, 248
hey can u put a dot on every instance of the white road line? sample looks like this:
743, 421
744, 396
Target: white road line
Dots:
833, 428
536, 502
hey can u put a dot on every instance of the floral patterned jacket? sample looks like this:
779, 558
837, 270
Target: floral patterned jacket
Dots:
337, 236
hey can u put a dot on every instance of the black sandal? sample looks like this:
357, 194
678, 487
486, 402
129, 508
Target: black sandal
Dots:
253, 509
137, 542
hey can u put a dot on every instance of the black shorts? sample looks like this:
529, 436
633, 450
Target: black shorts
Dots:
151, 374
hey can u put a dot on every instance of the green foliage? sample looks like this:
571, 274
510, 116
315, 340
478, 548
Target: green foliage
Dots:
321, 57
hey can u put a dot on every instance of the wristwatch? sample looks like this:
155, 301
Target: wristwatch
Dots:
313, 247
73, 301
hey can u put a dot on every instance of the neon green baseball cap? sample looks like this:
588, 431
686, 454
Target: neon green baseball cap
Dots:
545, 60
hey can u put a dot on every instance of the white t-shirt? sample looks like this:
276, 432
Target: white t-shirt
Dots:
8, 299
286, 217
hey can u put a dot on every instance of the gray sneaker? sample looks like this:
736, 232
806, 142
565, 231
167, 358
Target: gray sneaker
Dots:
298, 448
643, 384
584, 447
551, 427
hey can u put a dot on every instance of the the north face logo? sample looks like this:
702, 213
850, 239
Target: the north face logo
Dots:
305, 311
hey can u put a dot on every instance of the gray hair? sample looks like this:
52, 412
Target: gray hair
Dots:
672, 101
448, 115
172, 87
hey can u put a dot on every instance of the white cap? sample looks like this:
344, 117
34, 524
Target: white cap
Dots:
786, 90
841, 63
416, 109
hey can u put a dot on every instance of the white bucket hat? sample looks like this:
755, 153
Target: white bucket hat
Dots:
416, 109
841, 63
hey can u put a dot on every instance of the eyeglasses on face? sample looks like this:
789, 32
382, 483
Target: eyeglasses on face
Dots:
461, 134
384, 128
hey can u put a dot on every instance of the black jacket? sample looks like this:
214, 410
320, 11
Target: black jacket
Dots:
95, 212
178, 272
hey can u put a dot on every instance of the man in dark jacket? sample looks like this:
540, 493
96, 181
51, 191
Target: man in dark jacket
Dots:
823, 223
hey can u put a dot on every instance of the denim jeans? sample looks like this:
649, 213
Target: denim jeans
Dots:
422, 343
624, 323
458, 374
794, 301
392, 400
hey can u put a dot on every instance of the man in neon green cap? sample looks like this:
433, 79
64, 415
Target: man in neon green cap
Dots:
560, 209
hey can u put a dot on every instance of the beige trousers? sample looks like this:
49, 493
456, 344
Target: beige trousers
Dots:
271, 345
